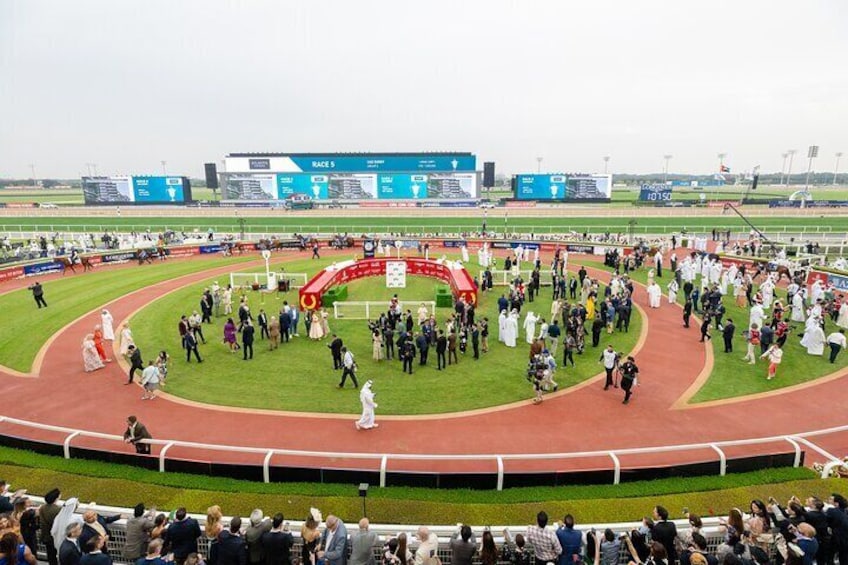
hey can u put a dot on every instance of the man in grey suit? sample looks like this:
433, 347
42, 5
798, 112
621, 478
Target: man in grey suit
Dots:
362, 544
463, 546
334, 542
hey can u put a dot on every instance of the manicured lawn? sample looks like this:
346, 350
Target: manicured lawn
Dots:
731, 375
121, 485
280, 221
299, 375
73, 296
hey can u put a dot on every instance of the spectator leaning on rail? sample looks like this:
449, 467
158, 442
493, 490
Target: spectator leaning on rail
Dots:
571, 541
228, 548
544, 541
47, 512
334, 542
664, 532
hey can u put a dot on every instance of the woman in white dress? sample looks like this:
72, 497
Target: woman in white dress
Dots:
106, 325
90, 358
325, 325
366, 397
126, 339
316, 330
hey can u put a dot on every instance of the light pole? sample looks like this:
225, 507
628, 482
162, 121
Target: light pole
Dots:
835, 169
163, 167
539, 164
665, 169
783, 167
812, 153
789, 172
606, 163
721, 157
32, 168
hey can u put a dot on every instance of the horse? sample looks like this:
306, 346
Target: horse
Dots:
68, 264
781, 270
142, 255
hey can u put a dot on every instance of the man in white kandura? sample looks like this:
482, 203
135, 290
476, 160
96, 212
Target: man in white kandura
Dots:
366, 397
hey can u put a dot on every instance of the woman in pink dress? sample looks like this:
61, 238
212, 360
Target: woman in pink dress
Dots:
230, 335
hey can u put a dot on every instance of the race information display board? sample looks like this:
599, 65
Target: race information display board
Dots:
562, 187
361, 176
136, 190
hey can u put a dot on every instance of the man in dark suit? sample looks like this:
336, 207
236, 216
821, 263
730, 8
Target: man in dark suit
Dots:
423, 348
181, 537
229, 548
278, 542
136, 431
38, 294
475, 340
262, 320
285, 326
441, 348
69, 551
247, 333
336, 350
190, 343
665, 532
334, 542
727, 334
206, 303
136, 364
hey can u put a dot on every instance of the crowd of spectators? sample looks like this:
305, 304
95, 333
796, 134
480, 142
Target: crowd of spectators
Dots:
798, 533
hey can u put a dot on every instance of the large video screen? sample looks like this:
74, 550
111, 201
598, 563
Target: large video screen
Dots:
350, 186
136, 190
562, 187
316, 163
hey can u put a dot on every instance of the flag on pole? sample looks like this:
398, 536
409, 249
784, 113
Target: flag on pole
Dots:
724, 169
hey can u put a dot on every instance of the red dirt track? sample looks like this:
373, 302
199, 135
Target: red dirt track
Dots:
585, 418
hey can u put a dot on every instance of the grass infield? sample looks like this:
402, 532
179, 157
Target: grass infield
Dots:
121, 485
299, 376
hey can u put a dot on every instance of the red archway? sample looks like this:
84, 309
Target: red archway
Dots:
448, 272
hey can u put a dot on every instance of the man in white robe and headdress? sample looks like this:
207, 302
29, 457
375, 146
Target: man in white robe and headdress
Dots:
816, 291
501, 325
654, 295
511, 329
465, 253
798, 307
673, 287
842, 317
530, 326
715, 272
767, 290
366, 397
756, 316
814, 339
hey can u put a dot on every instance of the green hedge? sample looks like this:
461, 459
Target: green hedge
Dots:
335, 294
120, 485
444, 296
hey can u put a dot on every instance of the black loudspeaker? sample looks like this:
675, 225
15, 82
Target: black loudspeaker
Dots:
756, 181
488, 175
211, 175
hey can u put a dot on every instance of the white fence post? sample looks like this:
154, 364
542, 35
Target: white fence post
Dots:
500, 472
797, 461
722, 460
616, 477
266, 466
162, 453
67, 444
383, 463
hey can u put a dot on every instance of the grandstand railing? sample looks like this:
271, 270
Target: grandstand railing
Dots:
711, 531
794, 440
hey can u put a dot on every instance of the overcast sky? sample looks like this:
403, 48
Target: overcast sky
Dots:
126, 85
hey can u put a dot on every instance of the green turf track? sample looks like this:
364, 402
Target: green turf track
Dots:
305, 224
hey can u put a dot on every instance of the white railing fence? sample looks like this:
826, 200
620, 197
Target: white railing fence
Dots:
365, 309
498, 460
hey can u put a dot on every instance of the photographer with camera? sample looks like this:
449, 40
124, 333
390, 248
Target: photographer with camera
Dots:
629, 374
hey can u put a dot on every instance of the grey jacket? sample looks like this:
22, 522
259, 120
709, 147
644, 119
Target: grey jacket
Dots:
362, 544
138, 535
